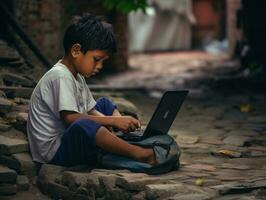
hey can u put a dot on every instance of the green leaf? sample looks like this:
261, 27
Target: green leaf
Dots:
125, 6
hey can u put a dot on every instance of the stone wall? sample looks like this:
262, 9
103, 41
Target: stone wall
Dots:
42, 22
45, 22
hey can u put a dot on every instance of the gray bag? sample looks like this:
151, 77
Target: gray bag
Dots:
166, 151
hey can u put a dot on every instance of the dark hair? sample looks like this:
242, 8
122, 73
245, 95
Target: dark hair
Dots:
91, 33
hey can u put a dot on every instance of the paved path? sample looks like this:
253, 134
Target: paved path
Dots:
222, 133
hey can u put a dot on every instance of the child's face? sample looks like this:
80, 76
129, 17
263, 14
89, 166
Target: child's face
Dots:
90, 63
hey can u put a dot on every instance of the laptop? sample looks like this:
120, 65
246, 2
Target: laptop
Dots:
162, 119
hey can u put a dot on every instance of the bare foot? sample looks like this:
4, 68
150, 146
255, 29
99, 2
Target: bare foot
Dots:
151, 159
145, 155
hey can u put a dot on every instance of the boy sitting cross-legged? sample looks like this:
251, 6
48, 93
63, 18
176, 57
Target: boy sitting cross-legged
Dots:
66, 126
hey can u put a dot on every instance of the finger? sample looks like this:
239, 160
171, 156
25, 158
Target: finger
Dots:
137, 123
133, 126
125, 130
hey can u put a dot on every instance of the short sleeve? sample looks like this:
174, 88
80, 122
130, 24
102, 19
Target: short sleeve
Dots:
60, 95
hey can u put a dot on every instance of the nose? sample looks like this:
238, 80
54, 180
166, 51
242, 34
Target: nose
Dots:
99, 66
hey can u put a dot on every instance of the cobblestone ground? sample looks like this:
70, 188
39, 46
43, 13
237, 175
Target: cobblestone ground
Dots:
222, 134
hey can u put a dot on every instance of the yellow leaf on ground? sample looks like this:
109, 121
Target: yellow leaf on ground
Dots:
245, 108
229, 153
199, 181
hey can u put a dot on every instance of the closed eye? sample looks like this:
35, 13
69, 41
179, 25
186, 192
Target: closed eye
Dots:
96, 59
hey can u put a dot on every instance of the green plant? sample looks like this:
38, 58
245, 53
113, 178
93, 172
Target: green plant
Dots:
125, 6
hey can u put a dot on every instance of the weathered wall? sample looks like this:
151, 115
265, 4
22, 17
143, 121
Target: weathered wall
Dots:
45, 20
42, 21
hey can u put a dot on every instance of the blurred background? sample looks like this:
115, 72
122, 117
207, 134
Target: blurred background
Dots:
213, 48
179, 38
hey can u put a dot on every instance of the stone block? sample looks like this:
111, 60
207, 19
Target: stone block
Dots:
2, 94
4, 127
93, 183
7, 175
17, 79
134, 182
5, 105
165, 191
49, 172
46, 182
138, 196
23, 183
200, 196
21, 122
12, 145
9, 161
11, 116
8, 189
118, 194
236, 140
26, 164
58, 191
74, 180
12, 92
14, 133
186, 139
77, 183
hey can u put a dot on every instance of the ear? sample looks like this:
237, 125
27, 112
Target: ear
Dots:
75, 50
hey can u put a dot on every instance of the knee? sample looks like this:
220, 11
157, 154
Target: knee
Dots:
105, 106
105, 100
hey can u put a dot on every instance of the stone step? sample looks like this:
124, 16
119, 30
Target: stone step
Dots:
2, 94
14, 133
26, 164
21, 162
4, 127
21, 122
5, 105
172, 191
8, 189
12, 145
17, 79
7, 175
10, 162
7, 53
23, 183
12, 92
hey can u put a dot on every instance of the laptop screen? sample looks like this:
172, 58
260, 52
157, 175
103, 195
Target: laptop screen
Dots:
165, 113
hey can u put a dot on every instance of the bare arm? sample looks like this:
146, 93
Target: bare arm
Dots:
69, 117
95, 112
123, 123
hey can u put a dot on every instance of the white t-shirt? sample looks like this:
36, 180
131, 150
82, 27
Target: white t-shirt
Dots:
57, 90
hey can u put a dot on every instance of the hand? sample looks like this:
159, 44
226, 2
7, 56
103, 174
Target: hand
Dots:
126, 123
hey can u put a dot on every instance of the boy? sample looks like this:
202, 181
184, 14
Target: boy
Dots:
66, 126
